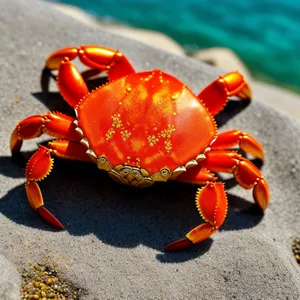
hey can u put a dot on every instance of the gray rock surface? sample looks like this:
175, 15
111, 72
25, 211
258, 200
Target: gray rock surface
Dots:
112, 245
10, 281
149, 37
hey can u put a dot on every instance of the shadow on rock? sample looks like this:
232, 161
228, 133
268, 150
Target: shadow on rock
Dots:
16, 207
233, 108
87, 201
13, 167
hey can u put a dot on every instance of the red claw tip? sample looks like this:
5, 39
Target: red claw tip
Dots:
49, 218
178, 245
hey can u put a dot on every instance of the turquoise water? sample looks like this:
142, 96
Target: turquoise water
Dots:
264, 33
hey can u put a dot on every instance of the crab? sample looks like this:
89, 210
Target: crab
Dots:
142, 128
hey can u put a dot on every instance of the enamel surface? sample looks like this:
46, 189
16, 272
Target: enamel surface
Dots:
147, 120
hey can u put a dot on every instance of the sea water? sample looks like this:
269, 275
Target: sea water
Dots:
264, 33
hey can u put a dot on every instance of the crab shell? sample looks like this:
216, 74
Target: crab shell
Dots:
144, 127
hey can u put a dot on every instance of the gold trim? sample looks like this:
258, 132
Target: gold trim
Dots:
200, 157
191, 163
177, 172
85, 142
163, 175
133, 175
78, 129
103, 163
92, 155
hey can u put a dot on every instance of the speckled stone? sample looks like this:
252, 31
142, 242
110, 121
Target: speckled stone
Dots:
112, 245
10, 281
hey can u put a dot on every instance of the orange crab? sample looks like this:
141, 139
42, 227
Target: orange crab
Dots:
141, 128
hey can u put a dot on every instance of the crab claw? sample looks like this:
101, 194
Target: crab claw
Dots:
38, 167
245, 172
97, 58
36, 201
195, 236
235, 85
179, 245
47, 216
261, 194
231, 138
216, 94
211, 202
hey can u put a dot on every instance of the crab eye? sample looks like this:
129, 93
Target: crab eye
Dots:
103, 159
126, 171
164, 171
135, 173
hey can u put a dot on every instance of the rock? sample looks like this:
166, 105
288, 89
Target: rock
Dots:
112, 245
10, 281
153, 38
76, 13
223, 58
277, 97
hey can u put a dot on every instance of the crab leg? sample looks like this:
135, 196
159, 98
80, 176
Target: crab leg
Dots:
54, 124
70, 83
197, 175
95, 57
247, 143
216, 95
211, 202
245, 172
40, 165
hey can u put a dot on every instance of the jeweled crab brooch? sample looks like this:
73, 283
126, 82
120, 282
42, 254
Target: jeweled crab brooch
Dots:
143, 127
